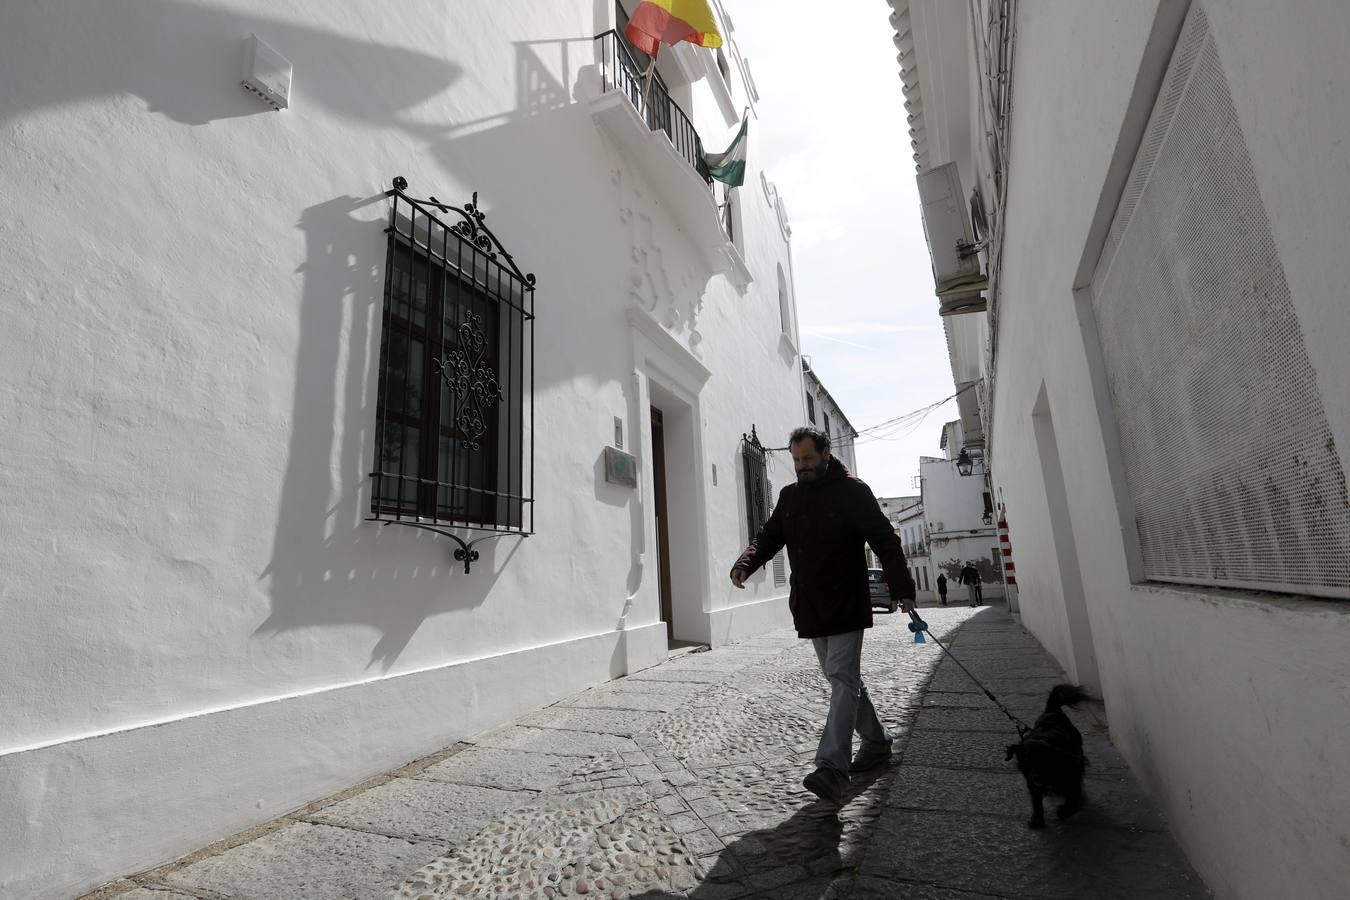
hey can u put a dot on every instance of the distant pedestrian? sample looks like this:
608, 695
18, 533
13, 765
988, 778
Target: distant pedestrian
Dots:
970, 577
824, 520
942, 589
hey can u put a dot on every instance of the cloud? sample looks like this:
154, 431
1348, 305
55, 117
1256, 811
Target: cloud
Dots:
833, 136
841, 328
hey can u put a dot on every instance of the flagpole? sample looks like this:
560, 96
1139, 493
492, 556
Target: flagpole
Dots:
647, 88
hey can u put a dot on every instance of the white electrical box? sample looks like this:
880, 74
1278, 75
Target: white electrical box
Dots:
267, 74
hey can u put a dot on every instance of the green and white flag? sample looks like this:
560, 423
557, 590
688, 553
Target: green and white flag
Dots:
729, 167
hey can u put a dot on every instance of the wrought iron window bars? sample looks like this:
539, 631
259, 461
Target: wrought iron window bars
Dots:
753, 455
455, 414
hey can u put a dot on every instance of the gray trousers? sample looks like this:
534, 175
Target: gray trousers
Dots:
851, 709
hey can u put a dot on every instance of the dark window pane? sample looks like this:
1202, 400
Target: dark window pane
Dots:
756, 488
405, 374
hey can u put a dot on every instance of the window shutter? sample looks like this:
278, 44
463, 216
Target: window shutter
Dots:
779, 565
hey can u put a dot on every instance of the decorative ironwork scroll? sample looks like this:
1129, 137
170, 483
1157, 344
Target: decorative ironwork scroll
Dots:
472, 228
471, 379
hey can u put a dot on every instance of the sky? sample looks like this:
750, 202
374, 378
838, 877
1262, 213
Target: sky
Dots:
832, 135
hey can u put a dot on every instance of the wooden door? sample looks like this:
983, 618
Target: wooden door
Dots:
662, 522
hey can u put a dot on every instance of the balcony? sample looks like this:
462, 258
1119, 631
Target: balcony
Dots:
657, 138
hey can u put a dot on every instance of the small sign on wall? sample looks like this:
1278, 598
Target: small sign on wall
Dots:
620, 467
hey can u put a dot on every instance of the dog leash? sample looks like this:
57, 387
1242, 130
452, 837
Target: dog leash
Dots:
919, 627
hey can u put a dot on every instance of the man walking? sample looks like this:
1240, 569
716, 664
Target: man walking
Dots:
970, 577
824, 520
942, 588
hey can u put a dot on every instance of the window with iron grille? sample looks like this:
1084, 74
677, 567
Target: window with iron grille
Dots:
811, 408
756, 483
453, 437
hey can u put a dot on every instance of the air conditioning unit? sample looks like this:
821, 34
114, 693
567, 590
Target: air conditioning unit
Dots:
951, 242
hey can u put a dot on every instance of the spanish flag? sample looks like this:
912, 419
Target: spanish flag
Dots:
657, 22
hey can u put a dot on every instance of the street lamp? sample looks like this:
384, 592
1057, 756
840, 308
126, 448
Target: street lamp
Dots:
964, 464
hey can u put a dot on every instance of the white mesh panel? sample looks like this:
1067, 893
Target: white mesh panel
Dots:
1227, 453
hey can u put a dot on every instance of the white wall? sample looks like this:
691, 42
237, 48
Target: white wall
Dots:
841, 440
1229, 707
190, 341
911, 525
953, 506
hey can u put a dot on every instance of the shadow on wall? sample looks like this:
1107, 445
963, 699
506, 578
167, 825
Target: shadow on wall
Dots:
328, 566
321, 571
185, 61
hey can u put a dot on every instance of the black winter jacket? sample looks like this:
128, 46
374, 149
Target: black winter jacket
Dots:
824, 526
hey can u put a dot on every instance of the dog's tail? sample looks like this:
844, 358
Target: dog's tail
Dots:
1065, 695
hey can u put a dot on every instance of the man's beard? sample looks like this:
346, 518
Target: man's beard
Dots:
814, 474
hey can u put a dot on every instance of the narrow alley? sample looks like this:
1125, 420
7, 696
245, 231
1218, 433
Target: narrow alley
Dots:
684, 780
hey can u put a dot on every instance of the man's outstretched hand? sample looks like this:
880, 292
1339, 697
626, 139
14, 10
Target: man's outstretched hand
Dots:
738, 577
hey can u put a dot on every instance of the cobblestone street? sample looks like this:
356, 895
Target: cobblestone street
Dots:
685, 781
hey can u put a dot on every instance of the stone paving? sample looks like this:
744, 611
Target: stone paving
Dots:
684, 781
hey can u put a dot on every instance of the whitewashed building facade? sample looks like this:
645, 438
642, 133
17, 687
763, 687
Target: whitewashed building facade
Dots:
1148, 291
825, 413
221, 415
907, 519
958, 508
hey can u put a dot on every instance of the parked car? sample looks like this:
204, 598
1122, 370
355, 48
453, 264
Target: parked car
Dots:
881, 591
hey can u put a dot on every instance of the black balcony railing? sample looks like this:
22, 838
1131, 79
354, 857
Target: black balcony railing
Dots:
620, 72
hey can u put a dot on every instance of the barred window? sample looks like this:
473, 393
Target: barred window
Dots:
756, 483
453, 436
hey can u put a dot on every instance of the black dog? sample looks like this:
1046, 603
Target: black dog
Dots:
1050, 756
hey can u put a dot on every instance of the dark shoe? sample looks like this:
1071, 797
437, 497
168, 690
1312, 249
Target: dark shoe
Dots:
827, 784
869, 758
